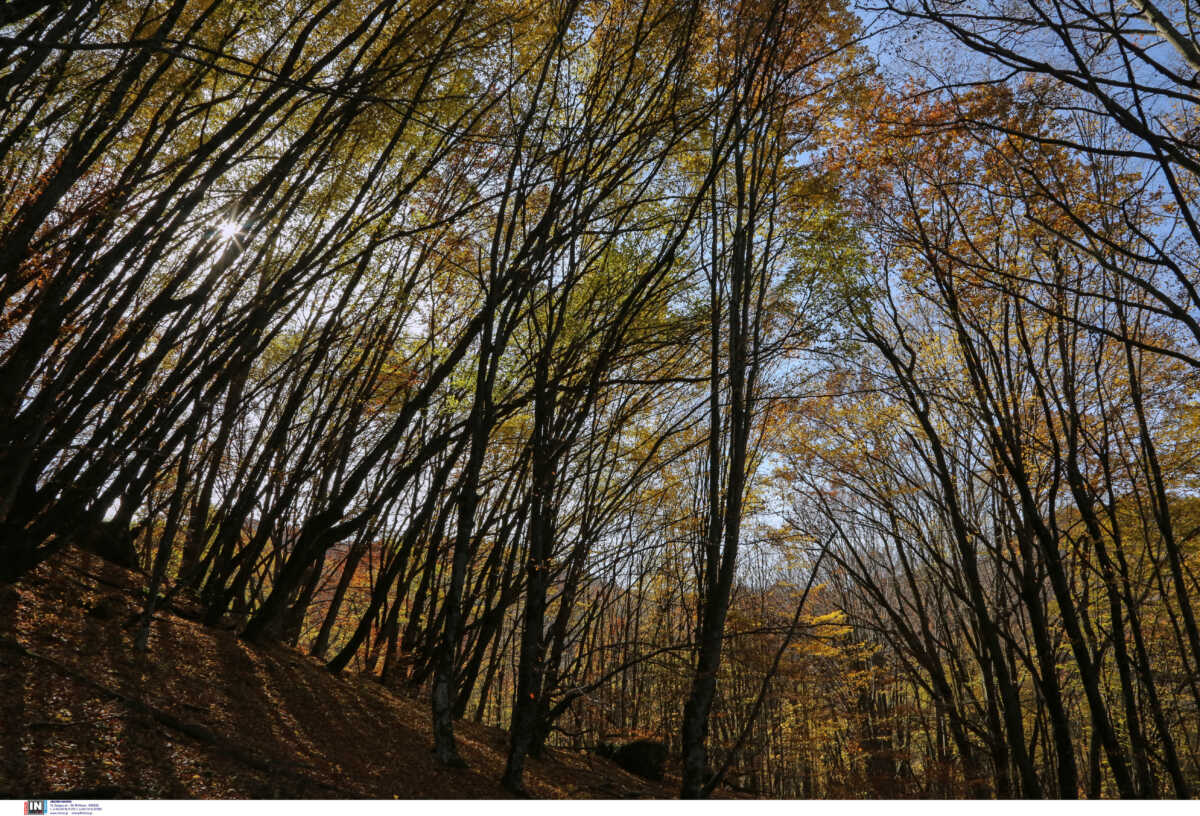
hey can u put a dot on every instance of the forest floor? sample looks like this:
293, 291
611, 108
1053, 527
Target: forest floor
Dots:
202, 714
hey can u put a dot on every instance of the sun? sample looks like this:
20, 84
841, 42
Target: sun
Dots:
228, 230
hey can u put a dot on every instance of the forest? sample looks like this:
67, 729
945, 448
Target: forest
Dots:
806, 389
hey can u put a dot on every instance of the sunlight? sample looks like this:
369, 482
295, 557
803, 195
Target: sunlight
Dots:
229, 230
624, 399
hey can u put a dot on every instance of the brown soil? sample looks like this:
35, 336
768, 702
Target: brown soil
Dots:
202, 714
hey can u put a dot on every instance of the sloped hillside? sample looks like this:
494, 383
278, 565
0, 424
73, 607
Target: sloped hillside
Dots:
202, 714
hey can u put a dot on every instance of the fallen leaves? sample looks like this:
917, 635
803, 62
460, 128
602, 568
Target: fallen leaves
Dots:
203, 715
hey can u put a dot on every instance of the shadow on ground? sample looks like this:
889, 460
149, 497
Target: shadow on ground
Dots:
204, 715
